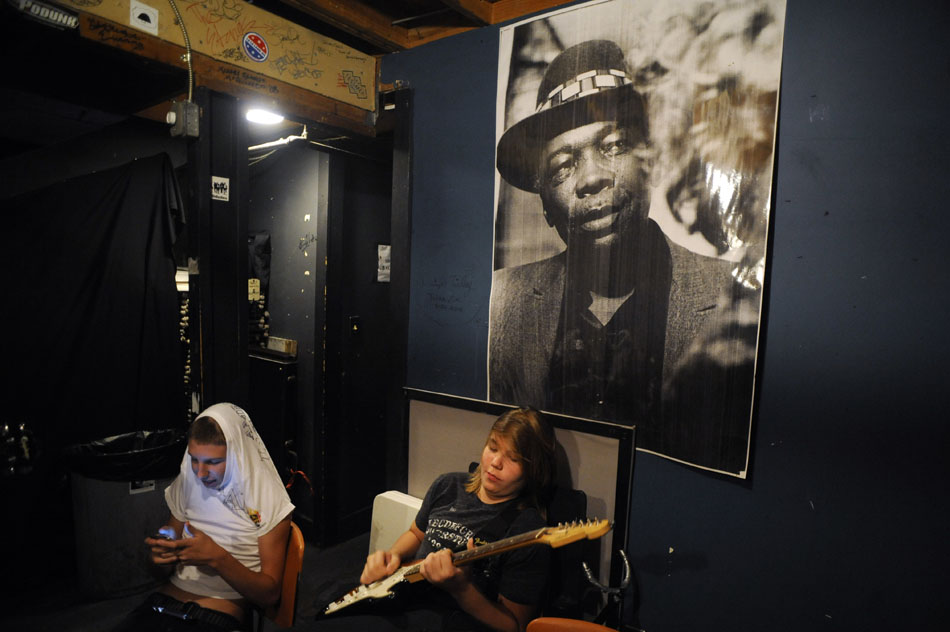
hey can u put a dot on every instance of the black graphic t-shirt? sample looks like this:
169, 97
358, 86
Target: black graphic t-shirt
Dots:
449, 516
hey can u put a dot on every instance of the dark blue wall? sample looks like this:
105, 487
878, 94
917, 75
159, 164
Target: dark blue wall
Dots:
842, 524
453, 83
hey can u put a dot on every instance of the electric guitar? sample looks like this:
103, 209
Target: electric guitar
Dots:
409, 573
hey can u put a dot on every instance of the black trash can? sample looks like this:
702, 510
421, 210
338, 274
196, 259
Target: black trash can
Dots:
118, 486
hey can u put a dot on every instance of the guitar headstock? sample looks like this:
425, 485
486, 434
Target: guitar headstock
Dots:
565, 533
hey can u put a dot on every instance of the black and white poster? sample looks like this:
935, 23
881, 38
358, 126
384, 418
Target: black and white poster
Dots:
634, 155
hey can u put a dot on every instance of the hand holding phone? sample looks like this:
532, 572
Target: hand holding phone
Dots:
164, 554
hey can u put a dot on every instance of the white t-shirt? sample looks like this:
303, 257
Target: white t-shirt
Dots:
250, 501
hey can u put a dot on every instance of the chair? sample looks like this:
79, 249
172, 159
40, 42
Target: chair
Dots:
557, 624
567, 584
282, 613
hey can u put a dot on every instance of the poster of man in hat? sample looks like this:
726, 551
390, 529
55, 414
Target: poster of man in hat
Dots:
634, 160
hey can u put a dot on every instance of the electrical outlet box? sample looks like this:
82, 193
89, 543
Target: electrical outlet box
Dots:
183, 117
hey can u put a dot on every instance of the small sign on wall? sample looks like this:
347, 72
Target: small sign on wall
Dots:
220, 188
143, 17
383, 252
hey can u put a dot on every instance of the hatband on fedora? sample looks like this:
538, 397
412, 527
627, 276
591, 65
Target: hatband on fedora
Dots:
586, 83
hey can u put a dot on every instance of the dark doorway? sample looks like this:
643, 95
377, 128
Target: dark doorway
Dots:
360, 339
325, 212
287, 220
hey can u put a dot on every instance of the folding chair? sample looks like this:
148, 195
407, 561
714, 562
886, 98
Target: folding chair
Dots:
557, 624
282, 613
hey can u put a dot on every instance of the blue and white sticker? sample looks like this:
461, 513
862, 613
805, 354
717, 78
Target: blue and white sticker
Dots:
255, 46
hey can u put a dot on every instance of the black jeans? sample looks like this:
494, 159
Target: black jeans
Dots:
161, 613
416, 620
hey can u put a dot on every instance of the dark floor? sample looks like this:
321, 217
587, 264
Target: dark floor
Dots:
60, 606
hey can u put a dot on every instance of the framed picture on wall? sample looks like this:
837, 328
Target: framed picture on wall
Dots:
635, 144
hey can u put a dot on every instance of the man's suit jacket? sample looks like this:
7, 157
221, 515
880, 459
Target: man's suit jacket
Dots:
525, 309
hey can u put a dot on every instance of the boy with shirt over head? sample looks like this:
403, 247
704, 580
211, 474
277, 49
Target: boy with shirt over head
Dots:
229, 525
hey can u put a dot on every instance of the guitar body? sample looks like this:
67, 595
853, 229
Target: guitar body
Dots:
399, 599
385, 596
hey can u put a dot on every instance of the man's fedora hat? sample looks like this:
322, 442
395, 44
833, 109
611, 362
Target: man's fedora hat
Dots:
586, 83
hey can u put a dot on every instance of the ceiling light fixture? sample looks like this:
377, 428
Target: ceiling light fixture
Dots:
263, 117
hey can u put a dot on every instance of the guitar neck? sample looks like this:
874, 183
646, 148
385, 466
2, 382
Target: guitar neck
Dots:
413, 574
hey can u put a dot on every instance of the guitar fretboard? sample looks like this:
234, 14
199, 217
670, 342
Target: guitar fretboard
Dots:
492, 548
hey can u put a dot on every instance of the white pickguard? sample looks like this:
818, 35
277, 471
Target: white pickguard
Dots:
377, 590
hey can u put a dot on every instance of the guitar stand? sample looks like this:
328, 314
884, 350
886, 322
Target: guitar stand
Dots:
609, 615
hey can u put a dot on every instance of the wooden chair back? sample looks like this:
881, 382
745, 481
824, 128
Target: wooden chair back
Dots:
557, 624
282, 614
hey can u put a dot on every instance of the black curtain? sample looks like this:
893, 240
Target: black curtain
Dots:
92, 344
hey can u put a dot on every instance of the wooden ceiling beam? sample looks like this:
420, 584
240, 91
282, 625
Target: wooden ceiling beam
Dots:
295, 103
364, 22
477, 10
357, 19
423, 35
505, 10
290, 100
480, 11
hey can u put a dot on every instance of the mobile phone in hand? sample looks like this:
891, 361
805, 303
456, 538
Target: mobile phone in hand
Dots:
165, 533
